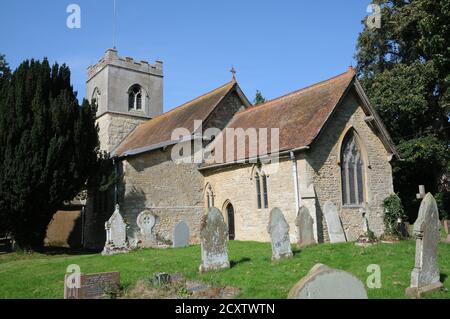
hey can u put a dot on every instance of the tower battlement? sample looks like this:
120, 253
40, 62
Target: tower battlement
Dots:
112, 58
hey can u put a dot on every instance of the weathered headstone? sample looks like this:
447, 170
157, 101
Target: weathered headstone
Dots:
116, 234
213, 237
323, 282
421, 194
447, 229
335, 230
425, 276
92, 286
146, 222
181, 235
278, 229
305, 228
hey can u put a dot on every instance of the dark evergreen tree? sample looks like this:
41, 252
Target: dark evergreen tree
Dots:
48, 148
259, 98
404, 67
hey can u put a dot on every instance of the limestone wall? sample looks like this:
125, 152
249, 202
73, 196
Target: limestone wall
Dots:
113, 128
171, 191
319, 178
324, 159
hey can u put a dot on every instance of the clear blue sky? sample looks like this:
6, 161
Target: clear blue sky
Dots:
275, 46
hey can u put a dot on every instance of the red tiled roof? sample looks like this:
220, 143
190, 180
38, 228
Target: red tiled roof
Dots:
299, 116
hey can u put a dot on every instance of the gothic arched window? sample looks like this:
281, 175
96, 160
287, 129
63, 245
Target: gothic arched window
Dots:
209, 196
96, 97
135, 98
352, 171
262, 197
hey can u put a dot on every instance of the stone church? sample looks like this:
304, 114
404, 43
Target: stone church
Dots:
331, 147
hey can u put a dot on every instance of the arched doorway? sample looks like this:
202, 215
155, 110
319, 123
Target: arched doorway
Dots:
230, 215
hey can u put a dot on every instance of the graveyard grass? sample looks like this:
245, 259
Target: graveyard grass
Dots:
41, 275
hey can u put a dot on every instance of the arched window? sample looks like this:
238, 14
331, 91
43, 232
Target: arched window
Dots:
352, 171
135, 98
96, 97
209, 196
262, 197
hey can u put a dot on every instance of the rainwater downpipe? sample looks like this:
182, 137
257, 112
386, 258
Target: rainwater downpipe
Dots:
295, 176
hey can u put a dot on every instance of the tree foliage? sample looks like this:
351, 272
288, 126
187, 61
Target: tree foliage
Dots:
404, 66
48, 147
259, 98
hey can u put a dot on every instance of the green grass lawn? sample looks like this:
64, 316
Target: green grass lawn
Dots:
42, 276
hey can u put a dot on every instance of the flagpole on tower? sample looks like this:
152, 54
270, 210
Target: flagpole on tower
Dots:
114, 25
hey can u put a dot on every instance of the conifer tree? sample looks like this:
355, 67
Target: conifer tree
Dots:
48, 147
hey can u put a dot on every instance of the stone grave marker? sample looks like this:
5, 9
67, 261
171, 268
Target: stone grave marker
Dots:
92, 286
305, 228
146, 222
447, 230
425, 276
278, 229
213, 238
116, 234
323, 282
181, 235
335, 230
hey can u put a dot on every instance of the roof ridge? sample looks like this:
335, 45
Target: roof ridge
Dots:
233, 81
268, 103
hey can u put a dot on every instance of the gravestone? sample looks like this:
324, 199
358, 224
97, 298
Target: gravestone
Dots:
213, 238
334, 225
146, 222
425, 276
116, 234
278, 229
447, 230
323, 282
92, 286
181, 235
305, 228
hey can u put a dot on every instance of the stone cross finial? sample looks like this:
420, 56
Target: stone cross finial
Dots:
233, 71
422, 193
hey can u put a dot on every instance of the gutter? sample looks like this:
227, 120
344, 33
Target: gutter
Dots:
248, 160
153, 147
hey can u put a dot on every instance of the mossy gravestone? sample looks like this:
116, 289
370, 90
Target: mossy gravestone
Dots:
146, 222
278, 229
425, 276
323, 282
305, 228
181, 235
116, 234
213, 237
335, 230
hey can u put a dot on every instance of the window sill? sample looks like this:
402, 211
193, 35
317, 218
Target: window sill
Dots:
353, 206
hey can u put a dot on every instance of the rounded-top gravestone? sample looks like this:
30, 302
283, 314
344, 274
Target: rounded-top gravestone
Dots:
323, 282
181, 235
278, 229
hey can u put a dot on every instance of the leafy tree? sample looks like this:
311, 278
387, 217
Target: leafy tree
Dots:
48, 148
404, 67
259, 98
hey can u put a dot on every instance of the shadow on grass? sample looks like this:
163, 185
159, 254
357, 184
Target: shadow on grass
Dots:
234, 263
53, 251
296, 251
443, 277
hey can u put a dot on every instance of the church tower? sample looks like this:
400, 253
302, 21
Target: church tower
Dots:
127, 93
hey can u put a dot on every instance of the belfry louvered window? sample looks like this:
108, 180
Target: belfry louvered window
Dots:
135, 98
352, 170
